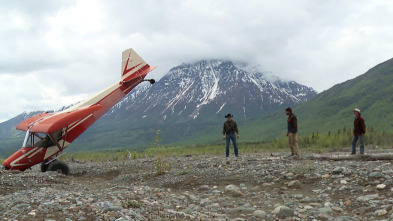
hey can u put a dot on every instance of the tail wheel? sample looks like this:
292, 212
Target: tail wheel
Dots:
44, 166
59, 166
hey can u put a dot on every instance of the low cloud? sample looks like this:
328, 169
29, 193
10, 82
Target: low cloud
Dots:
54, 53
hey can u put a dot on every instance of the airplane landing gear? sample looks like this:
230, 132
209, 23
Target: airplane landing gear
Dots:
44, 166
57, 165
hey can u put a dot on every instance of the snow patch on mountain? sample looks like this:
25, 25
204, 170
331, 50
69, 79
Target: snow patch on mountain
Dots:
221, 107
207, 88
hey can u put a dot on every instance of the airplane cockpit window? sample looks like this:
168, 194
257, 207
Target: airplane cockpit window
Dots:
29, 140
43, 141
58, 134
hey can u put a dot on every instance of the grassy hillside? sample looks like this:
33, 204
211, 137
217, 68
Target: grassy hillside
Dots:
331, 110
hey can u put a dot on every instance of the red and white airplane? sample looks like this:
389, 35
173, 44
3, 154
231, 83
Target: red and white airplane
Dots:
48, 134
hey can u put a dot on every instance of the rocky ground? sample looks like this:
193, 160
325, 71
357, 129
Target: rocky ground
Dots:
254, 187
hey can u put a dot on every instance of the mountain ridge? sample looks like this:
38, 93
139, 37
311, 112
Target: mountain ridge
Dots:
186, 101
211, 87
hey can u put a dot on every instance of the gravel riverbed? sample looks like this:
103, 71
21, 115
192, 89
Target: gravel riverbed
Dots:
256, 186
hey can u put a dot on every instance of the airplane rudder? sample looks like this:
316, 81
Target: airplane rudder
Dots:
131, 59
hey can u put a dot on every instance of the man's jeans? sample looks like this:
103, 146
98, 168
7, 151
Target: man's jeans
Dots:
293, 144
232, 137
355, 139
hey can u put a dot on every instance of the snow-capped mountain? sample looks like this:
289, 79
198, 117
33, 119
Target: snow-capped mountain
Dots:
190, 100
208, 90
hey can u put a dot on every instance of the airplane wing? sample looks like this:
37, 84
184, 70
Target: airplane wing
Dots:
49, 123
24, 125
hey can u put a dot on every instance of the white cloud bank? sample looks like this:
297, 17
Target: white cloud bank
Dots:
53, 53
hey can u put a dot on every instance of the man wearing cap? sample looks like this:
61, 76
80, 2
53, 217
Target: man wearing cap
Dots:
229, 130
292, 130
359, 129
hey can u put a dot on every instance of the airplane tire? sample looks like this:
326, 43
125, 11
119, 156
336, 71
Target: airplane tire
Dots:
44, 166
60, 167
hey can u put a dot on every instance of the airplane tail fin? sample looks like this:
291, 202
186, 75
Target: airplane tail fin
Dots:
133, 65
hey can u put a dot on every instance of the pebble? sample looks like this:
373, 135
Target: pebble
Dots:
375, 174
203, 188
259, 214
343, 182
215, 207
380, 212
233, 190
241, 210
367, 197
338, 170
294, 184
283, 212
327, 210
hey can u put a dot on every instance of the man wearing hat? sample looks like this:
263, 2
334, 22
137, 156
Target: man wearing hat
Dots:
359, 129
229, 130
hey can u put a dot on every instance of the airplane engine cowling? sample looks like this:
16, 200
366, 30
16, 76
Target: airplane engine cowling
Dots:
25, 158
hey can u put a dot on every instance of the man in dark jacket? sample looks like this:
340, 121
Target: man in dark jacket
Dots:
228, 132
292, 130
359, 129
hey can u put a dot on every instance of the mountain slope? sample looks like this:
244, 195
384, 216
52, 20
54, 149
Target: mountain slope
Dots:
331, 110
206, 89
11, 139
189, 100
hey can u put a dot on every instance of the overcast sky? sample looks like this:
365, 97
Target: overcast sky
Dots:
54, 53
